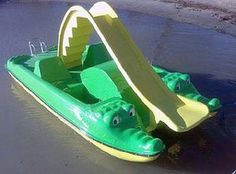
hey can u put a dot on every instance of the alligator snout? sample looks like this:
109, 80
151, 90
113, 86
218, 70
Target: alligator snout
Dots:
214, 103
143, 142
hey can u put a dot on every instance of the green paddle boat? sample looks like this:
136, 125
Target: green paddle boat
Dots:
108, 92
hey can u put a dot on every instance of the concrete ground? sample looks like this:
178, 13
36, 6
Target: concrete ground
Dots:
219, 15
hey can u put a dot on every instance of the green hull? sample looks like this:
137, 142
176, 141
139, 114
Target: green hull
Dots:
108, 92
66, 95
106, 118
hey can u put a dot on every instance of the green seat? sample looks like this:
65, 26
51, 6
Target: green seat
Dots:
99, 81
51, 69
95, 54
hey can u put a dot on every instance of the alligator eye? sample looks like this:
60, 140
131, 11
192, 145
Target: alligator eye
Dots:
188, 81
177, 87
132, 112
115, 120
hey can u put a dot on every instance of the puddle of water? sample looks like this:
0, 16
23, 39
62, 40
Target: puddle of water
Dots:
34, 141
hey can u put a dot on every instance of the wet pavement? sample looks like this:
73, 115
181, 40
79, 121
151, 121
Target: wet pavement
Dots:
34, 141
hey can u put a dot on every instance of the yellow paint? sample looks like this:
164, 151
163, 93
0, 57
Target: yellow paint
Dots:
75, 31
178, 113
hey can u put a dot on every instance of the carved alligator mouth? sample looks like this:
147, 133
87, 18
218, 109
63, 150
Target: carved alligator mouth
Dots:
143, 140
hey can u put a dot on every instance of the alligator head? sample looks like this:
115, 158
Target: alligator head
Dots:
182, 85
119, 128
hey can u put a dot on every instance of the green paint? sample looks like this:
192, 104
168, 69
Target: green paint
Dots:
112, 121
181, 84
96, 98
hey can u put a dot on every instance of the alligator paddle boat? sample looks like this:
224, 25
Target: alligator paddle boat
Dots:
108, 92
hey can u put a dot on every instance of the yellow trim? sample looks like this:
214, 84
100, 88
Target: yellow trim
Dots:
73, 26
178, 113
114, 152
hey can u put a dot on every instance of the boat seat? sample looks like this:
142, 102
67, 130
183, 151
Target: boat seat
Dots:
101, 80
95, 54
51, 69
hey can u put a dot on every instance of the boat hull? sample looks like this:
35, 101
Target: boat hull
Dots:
62, 112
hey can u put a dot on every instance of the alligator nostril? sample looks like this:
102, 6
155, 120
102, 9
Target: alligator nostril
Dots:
155, 145
214, 102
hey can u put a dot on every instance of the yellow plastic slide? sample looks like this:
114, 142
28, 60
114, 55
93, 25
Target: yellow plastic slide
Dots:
178, 113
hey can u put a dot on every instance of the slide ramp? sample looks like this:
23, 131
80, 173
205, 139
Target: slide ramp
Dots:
178, 113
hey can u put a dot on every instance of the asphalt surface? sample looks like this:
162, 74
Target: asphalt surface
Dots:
34, 141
